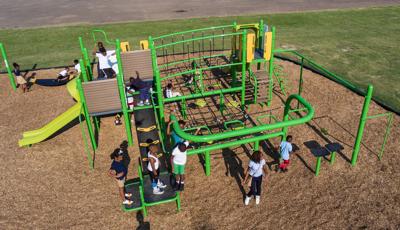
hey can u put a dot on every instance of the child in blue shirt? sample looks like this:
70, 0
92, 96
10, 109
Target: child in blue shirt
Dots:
285, 148
119, 171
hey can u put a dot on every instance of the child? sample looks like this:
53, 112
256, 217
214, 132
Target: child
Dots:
119, 171
105, 69
117, 120
176, 139
256, 170
178, 162
20, 79
77, 67
144, 89
169, 93
285, 148
63, 75
154, 169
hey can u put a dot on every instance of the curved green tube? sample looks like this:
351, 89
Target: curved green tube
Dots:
257, 129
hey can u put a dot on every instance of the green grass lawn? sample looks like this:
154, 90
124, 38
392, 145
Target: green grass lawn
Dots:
362, 45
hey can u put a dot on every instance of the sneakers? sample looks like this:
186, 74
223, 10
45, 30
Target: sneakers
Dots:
157, 191
127, 202
257, 199
182, 187
247, 200
160, 184
146, 102
140, 103
128, 195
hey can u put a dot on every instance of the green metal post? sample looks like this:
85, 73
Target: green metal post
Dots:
361, 125
86, 113
9, 71
318, 166
260, 38
159, 92
183, 108
85, 57
244, 57
388, 127
178, 202
121, 88
83, 70
221, 103
301, 79
144, 210
88, 65
207, 163
256, 145
271, 68
333, 156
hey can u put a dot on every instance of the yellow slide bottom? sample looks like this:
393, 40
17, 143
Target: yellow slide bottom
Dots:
38, 135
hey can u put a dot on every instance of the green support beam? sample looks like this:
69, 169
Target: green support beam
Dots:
361, 125
244, 63
9, 71
257, 129
86, 113
121, 88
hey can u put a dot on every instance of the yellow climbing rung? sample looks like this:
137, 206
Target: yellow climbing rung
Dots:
144, 44
148, 129
148, 144
125, 46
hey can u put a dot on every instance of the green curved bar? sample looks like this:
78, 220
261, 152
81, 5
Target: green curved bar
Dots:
257, 129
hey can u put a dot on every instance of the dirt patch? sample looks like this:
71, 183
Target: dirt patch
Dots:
50, 185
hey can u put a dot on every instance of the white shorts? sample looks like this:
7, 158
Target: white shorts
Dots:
21, 80
121, 183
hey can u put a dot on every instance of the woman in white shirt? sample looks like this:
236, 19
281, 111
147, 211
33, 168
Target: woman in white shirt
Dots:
256, 170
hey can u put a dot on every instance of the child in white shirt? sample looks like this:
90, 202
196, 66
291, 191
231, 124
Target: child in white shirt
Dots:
154, 170
178, 160
256, 170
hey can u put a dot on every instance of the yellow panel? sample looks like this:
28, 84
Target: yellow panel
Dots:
144, 44
125, 46
268, 46
250, 46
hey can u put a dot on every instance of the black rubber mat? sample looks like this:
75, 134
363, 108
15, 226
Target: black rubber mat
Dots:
134, 189
149, 197
144, 119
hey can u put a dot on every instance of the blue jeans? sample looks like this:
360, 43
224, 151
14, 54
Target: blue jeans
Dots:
144, 93
255, 189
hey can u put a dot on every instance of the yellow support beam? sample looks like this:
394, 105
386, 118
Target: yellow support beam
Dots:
268, 46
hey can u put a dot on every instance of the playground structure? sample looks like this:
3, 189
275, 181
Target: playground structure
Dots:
231, 67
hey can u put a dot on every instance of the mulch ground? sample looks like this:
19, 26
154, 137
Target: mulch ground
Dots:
50, 185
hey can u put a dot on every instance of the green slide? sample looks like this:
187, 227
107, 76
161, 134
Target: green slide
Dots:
46, 131
38, 135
